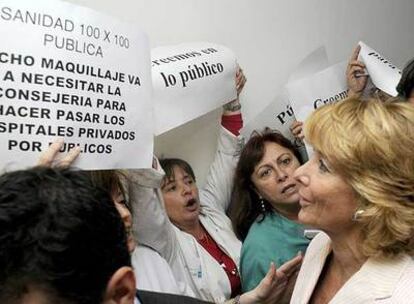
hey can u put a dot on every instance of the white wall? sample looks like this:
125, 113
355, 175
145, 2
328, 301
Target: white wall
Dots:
269, 38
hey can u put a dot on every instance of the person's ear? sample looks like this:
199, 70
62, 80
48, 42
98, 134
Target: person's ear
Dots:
121, 287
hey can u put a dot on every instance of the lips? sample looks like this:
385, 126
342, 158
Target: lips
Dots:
303, 201
289, 188
130, 238
191, 205
128, 231
191, 202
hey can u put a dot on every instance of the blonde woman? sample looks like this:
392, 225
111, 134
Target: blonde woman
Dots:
358, 188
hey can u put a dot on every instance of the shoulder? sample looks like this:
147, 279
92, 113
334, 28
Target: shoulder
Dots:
403, 271
405, 289
317, 251
272, 228
320, 242
259, 231
259, 247
149, 297
146, 255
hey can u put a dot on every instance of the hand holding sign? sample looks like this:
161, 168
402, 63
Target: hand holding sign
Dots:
240, 80
356, 76
297, 129
382, 72
49, 158
233, 107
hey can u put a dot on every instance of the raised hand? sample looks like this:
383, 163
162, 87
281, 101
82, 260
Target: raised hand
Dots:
356, 75
297, 129
233, 107
240, 80
49, 158
273, 287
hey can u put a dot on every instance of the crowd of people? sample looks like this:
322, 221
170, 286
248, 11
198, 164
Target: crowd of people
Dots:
153, 236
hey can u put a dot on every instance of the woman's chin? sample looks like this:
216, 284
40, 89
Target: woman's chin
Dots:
304, 218
131, 244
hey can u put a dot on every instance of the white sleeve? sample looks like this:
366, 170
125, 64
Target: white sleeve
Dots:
151, 226
219, 183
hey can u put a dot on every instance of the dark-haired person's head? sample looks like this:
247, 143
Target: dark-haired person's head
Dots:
263, 180
62, 241
180, 192
110, 180
405, 87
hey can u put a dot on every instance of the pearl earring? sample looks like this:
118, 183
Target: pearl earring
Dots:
357, 215
262, 204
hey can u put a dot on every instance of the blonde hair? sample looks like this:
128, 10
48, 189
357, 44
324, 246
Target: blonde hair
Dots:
371, 145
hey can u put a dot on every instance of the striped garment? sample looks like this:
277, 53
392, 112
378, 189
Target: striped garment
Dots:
377, 281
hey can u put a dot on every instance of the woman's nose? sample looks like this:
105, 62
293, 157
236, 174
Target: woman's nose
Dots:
300, 175
282, 176
125, 214
186, 189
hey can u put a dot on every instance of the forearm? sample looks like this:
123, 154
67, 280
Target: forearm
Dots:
232, 123
151, 224
219, 182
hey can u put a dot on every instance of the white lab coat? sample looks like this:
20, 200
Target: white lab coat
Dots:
193, 267
152, 271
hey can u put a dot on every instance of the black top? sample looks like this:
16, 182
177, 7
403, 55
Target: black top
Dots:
150, 297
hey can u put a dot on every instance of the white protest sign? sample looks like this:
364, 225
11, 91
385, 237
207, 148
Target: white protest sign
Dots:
324, 87
190, 80
278, 115
384, 75
69, 72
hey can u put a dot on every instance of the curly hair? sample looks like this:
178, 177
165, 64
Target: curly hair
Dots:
245, 206
370, 144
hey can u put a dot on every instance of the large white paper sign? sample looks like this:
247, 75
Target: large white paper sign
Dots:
384, 75
190, 80
69, 72
278, 115
324, 87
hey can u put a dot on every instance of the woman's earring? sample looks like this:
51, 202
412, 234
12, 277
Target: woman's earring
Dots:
357, 215
262, 204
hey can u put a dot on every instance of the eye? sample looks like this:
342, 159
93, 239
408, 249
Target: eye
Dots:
322, 166
265, 172
170, 188
122, 202
286, 161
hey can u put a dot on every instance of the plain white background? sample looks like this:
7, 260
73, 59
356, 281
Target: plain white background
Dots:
269, 38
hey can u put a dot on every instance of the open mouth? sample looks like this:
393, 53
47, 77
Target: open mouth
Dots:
191, 202
289, 188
